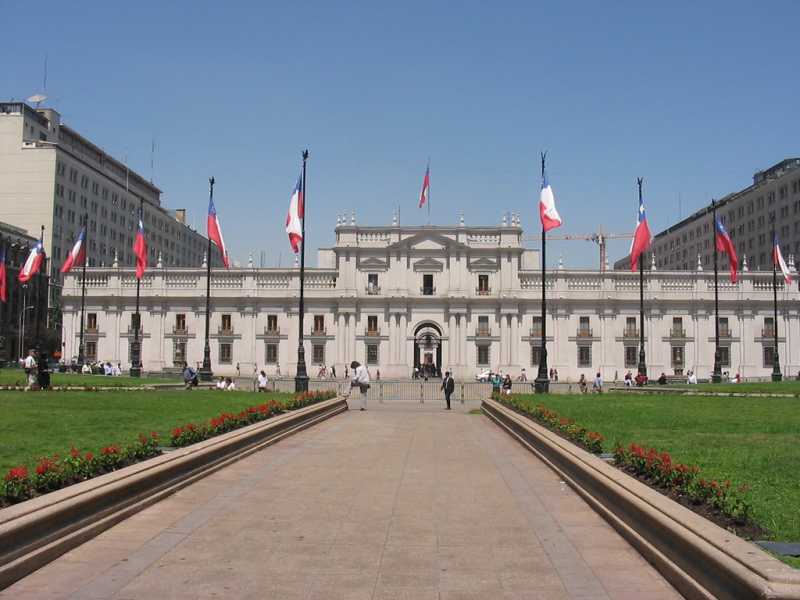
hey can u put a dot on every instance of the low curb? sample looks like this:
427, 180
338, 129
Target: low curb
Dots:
37, 531
699, 559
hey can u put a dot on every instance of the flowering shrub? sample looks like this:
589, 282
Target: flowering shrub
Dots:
191, 433
592, 439
669, 474
57, 472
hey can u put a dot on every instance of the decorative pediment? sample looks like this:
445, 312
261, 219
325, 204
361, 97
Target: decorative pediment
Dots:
428, 265
373, 263
428, 241
483, 264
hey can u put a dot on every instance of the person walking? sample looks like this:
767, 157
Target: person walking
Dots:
360, 380
449, 386
507, 385
30, 367
188, 376
43, 372
262, 381
598, 384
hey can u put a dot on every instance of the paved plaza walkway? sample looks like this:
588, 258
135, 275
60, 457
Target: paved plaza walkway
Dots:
403, 501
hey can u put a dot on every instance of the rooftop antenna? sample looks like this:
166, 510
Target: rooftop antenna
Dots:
39, 98
127, 170
152, 159
679, 207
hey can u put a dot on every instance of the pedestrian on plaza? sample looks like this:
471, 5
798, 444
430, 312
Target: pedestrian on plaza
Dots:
507, 385
583, 384
262, 381
189, 375
598, 384
333, 371
30, 367
278, 372
496, 383
449, 386
555, 374
238, 371
43, 372
378, 375
616, 377
551, 374
360, 380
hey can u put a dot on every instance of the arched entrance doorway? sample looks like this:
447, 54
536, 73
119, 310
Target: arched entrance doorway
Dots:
428, 349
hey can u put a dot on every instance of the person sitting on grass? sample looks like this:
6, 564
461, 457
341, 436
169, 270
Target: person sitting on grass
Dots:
221, 385
641, 379
663, 379
230, 384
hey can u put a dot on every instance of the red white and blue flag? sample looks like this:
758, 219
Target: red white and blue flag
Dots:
547, 206
33, 262
641, 237
140, 249
77, 254
294, 226
3, 276
724, 244
426, 185
778, 256
215, 232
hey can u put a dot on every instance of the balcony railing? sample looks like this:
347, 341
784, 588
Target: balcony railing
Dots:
92, 329
178, 330
372, 332
319, 330
725, 334
427, 291
483, 332
631, 333
373, 290
768, 333
584, 332
225, 330
536, 333
272, 330
483, 291
132, 329
677, 333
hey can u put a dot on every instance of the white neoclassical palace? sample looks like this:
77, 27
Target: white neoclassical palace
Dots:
460, 298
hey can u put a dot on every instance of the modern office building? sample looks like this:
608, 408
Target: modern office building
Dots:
460, 298
51, 176
748, 216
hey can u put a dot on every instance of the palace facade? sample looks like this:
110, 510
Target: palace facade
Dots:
461, 298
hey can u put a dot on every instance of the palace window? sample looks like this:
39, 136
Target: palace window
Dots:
372, 325
226, 326
584, 356
536, 355
769, 328
483, 285
583, 327
677, 327
631, 356
677, 357
272, 324
724, 356
180, 323
319, 324
271, 354
483, 358
769, 356
372, 284
91, 322
536, 328
90, 350
372, 354
318, 354
724, 330
483, 326
630, 327
225, 354
427, 285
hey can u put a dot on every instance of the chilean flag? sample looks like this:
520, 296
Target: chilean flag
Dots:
140, 249
215, 233
547, 206
426, 184
641, 237
3, 276
296, 212
78, 253
778, 256
724, 244
34, 261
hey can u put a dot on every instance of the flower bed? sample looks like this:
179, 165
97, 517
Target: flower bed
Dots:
657, 469
56, 472
191, 433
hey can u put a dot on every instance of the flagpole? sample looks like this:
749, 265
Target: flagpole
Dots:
429, 190
42, 268
716, 375
542, 382
136, 362
83, 291
205, 372
776, 367
301, 378
642, 366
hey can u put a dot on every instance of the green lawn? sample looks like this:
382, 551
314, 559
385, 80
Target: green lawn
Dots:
46, 423
752, 440
18, 377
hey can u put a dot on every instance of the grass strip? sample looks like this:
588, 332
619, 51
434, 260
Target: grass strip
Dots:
747, 440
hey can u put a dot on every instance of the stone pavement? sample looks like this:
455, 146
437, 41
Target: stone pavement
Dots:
403, 501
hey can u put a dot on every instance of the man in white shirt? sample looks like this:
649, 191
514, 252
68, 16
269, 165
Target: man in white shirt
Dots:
30, 367
360, 380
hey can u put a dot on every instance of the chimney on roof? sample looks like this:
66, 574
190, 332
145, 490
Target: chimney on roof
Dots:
180, 215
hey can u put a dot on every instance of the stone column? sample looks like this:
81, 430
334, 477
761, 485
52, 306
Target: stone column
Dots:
514, 339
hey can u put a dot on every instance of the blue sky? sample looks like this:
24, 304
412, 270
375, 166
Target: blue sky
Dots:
693, 97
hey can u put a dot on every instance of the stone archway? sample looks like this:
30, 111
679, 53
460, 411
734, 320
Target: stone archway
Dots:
428, 349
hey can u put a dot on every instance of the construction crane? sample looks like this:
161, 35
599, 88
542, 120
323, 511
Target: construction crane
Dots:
599, 238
